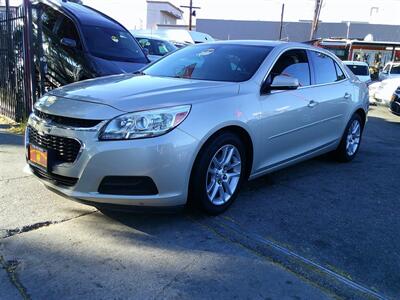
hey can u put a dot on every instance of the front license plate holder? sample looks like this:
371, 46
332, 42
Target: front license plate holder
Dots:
38, 157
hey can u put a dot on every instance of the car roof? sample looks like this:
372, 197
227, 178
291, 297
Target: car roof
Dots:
355, 63
394, 63
249, 42
150, 37
84, 14
274, 44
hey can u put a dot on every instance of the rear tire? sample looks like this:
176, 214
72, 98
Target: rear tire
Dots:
351, 139
218, 173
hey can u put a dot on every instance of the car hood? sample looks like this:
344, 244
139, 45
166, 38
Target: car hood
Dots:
364, 78
153, 57
392, 80
106, 67
134, 92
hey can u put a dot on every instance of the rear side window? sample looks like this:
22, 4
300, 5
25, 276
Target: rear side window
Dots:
44, 18
339, 72
292, 63
325, 68
49, 18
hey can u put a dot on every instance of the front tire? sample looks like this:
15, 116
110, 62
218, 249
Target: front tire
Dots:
218, 173
351, 139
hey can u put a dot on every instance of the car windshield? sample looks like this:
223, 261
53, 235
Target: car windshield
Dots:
216, 62
156, 47
359, 70
395, 69
113, 44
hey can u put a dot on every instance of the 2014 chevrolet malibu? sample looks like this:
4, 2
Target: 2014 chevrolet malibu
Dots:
196, 124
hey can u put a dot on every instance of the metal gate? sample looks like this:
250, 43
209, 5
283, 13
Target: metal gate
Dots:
16, 84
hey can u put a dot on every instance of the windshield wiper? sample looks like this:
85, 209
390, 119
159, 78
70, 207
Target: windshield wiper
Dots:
139, 73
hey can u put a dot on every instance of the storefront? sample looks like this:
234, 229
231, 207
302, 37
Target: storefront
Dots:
375, 53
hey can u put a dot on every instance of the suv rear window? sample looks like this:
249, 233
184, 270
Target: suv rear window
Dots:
395, 69
359, 70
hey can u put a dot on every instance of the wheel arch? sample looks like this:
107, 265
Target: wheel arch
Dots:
362, 114
239, 131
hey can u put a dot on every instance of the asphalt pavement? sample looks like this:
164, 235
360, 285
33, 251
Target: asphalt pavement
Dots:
318, 230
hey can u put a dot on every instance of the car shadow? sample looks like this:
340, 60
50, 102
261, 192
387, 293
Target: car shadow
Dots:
340, 215
11, 139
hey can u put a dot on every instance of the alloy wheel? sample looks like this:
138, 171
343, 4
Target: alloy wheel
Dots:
223, 174
353, 137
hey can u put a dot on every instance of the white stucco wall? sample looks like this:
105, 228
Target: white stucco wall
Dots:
156, 14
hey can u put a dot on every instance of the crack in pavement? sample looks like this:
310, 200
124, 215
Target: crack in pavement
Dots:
11, 266
12, 232
15, 178
11, 269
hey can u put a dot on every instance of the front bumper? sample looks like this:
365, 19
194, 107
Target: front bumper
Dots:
166, 159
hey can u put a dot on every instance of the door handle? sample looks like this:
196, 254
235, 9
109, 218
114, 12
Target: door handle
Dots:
312, 103
347, 96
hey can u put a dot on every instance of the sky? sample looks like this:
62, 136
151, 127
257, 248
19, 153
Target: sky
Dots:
265, 10
128, 12
270, 10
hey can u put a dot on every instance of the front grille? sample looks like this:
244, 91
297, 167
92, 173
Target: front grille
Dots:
54, 178
66, 121
64, 149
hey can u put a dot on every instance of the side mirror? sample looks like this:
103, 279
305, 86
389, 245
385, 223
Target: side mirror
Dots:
68, 42
282, 82
146, 51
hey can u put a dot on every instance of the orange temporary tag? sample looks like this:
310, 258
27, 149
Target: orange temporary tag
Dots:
38, 156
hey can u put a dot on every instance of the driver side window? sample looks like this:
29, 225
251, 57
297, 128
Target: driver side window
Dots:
292, 63
68, 30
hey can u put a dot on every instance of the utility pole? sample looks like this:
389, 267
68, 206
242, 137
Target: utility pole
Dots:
192, 12
317, 12
281, 26
348, 29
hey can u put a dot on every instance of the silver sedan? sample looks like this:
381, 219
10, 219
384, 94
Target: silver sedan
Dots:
192, 127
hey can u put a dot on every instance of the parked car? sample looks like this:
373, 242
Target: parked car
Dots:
200, 37
195, 124
81, 43
372, 90
394, 104
385, 90
179, 37
391, 70
156, 47
360, 69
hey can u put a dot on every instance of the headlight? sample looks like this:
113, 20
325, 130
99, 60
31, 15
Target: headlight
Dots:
144, 124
